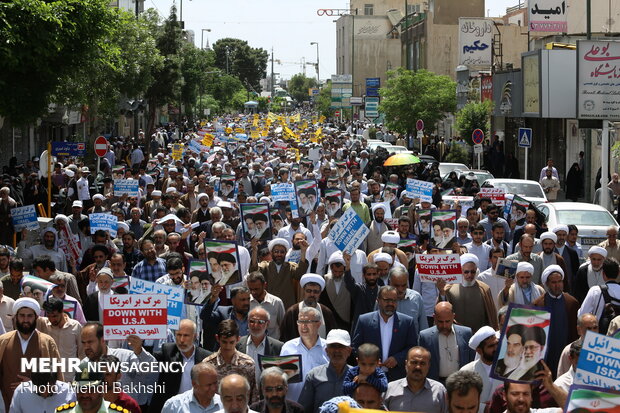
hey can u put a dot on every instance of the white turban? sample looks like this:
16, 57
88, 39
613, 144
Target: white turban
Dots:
548, 235
312, 278
200, 196
123, 225
26, 302
390, 237
482, 334
560, 228
170, 189
156, 192
550, 270
597, 250
377, 206
61, 217
278, 241
98, 196
523, 266
469, 257
106, 271
383, 257
335, 258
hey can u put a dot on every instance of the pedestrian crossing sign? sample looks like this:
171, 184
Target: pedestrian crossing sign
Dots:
525, 137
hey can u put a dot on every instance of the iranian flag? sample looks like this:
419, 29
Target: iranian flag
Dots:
251, 209
333, 193
305, 184
120, 282
449, 215
220, 247
529, 317
407, 243
593, 401
36, 282
69, 308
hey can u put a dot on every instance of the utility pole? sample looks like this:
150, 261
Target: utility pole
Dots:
272, 77
318, 78
227, 53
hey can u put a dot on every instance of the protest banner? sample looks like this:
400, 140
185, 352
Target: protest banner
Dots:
424, 221
496, 195
120, 282
518, 209
24, 217
420, 189
599, 362
306, 192
349, 232
227, 186
506, 268
333, 201
200, 283
70, 308
175, 295
103, 221
177, 151
530, 326
291, 365
223, 261
196, 147
140, 315
35, 287
392, 223
585, 399
285, 192
444, 227
435, 267
256, 219
127, 187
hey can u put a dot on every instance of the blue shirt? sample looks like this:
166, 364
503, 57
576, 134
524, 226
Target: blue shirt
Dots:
145, 271
187, 403
310, 358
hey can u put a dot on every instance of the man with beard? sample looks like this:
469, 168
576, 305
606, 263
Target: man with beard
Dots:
523, 291
176, 273
478, 247
278, 273
497, 238
514, 351
258, 342
261, 225
182, 350
201, 213
332, 206
229, 268
306, 199
416, 392
312, 285
571, 258
534, 339
294, 227
464, 389
563, 308
359, 207
518, 397
294, 254
405, 204
484, 343
274, 386
151, 267
471, 299
23, 342
590, 273
526, 254
549, 255
93, 307
259, 297
377, 228
335, 295
390, 239
151, 206
213, 314
48, 246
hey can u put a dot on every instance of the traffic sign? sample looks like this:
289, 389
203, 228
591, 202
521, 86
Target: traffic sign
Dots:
371, 109
477, 136
525, 137
101, 146
420, 134
419, 125
478, 148
337, 113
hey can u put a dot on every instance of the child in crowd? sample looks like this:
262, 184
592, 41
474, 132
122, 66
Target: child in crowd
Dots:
366, 371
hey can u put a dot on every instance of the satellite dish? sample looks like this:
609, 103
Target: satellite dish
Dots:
43, 163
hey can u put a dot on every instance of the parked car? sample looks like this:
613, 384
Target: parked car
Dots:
480, 175
446, 167
394, 149
591, 220
529, 190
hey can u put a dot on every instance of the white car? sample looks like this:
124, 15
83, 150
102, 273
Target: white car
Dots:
529, 190
591, 220
446, 167
395, 149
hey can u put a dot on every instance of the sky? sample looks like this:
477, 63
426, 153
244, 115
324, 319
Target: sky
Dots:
287, 26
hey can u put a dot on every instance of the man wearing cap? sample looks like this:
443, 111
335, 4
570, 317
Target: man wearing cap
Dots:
390, 239
447, 343
523, 290
590, 273
93, 308
83, 187
471, 299
563, 308
570, 256
484, 343
377, 227
23, 342
278, 273
611, 244
312, 285
595, 299
49, 247
478, 247
549, 255
325, 381
151, 206
335, 295
526, 254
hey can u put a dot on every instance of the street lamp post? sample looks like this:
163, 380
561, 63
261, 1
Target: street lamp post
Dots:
227, 53
202, 36
318, 77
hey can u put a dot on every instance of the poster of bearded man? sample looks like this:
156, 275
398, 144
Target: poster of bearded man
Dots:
306, 192
223, 261
333, 202
256, 219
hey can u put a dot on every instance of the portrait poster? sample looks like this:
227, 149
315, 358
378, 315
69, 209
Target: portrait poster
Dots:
506, 268
522, 345
256, 219
424, 221
291, 365
333, 202
223, 261
199, 283
306, 193
227, 186
35, 287
444, 227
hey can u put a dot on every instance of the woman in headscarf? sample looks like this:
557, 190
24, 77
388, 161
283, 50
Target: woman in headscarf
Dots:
6, 223
573, 183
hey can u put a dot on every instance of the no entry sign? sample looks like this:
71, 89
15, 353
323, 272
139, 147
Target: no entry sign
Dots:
101, 146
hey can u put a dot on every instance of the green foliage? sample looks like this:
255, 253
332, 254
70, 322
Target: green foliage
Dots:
615, 150
43, 43
409, 96
458, 154
247, 63
473, 116
195, 65
298, 87
323, 102
223, 89
372, 132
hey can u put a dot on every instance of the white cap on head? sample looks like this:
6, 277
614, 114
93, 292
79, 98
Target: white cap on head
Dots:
550, 270
77, 204
106, 271
312, 278
336, 257
482, 334
156, 192
224, 204
597, 250
548, 235
469, 257
523, 266
390, 237
26, 302
61, 217
337, 336
560, 228
383, 257
98, 196
278, 241
171, 189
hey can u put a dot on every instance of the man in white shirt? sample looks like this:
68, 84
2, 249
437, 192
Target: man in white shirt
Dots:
478, 248
49, 246
595, 299
55, 393
294, 227
201, 397
495, 282
269, 302
234, 391
566, 380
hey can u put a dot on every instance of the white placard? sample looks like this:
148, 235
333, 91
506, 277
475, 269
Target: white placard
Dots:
475, 41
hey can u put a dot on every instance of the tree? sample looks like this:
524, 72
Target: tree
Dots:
324, 101
237, 58
44, 43
224, 88
409, 96
195, 65
473, 116
298, 87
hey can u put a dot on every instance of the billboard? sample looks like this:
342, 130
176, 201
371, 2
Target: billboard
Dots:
598, 80
475, 41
